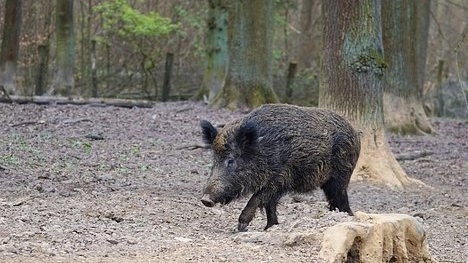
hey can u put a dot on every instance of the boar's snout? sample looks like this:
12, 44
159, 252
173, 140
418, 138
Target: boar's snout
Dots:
206, 200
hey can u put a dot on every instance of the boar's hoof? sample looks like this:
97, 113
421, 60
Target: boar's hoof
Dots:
207, 201
242, 227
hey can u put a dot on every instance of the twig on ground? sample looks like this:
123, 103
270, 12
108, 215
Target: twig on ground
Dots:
3, 168
73, 121
184, 109
27, 123
96, 137
23, 200
412, 155
193, 147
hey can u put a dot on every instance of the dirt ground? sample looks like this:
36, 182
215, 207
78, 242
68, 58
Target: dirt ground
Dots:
106, 184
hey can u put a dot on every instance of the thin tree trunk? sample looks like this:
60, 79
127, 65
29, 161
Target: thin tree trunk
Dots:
167, 77
84, 73
216, 49
440, 86
65, 39
307, 43
10, 45
94, 84
290, 81
352, 70
108, 67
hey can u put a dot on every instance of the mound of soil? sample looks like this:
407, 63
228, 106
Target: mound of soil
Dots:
90, 184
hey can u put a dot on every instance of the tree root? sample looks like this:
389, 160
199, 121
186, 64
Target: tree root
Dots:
378, 164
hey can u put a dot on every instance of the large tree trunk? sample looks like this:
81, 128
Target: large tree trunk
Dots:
10, 45
217, 58
405, 35
65, 38
250, 38
352, 70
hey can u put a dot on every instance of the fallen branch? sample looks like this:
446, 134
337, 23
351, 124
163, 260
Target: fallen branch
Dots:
412, 155
94, 102
184, 109
96, 137
27, 123
193, 147
73, 121
23, 200
3, 168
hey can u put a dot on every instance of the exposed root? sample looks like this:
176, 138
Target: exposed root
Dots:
378, 164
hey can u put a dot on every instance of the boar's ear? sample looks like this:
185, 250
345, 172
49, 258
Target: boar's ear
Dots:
247, 136
209, 132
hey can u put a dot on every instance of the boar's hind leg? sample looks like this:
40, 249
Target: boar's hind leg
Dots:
270, 209
337, 196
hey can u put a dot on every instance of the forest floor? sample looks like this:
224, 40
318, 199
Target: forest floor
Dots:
107, 184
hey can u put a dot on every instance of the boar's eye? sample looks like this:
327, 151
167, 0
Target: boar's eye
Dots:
229, 162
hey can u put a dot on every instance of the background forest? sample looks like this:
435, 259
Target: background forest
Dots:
120, 48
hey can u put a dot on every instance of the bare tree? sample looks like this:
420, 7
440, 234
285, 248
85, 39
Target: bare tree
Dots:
10, 45
352, 70
65, 51
405, 26
250, 38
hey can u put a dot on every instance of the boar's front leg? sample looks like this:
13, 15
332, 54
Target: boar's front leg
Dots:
258, 200
249, 211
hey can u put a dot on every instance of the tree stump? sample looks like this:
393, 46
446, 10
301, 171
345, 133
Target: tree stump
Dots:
376, 238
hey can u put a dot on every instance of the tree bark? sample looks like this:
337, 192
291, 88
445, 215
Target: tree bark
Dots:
405, 26
352, 69
65, 50
10, 45
43, 70
250, 38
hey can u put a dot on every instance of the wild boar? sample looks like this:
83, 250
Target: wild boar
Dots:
277, 149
